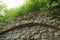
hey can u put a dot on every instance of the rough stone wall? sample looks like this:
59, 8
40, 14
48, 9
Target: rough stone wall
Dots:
48, 30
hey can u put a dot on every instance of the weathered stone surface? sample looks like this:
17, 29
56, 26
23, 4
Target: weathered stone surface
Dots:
33, 32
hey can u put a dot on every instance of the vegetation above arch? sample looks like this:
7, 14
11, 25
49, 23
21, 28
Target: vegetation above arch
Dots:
29, 6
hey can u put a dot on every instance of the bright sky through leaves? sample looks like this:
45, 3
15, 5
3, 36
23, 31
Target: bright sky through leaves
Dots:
13, 3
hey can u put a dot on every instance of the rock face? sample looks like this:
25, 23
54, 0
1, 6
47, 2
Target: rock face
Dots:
31, 33
33, 26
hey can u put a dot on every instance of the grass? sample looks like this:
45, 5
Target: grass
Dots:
28, 6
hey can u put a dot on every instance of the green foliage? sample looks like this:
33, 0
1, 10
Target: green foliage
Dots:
29, 6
